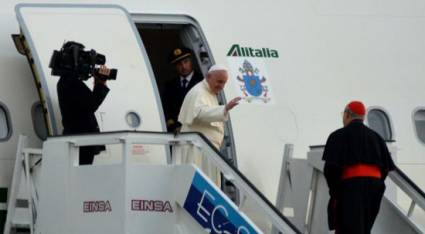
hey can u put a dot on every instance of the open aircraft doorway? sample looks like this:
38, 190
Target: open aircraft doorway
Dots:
161, 34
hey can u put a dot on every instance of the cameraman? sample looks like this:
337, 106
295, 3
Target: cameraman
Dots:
78, 104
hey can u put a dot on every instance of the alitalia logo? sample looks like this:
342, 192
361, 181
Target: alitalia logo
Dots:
239, 51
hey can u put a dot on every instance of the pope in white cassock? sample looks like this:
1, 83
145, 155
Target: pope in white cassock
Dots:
201, 112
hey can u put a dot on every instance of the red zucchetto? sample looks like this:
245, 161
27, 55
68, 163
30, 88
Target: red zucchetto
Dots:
356, 107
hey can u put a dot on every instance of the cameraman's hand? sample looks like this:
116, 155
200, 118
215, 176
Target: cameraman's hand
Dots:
103, 70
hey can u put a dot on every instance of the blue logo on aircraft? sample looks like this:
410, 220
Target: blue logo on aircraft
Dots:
253, 85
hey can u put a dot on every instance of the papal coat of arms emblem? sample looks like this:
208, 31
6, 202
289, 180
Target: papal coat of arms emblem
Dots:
252, 83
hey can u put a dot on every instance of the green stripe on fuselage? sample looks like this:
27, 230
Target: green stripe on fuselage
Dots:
3, 213
3, 195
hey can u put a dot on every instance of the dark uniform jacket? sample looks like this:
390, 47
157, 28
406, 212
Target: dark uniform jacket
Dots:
173, 99
353, 144
78, 104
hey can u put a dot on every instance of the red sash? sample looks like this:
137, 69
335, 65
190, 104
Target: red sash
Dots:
361, 170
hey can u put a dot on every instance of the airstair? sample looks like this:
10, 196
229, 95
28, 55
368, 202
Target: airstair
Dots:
129, 196
303, 180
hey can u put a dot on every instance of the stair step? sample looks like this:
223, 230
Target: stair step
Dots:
21, 219
21, 231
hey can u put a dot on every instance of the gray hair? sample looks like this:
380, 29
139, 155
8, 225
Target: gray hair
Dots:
353, 115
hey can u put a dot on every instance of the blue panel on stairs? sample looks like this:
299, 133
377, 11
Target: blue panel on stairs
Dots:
210, 208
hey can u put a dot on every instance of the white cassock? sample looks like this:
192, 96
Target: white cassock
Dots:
201, 112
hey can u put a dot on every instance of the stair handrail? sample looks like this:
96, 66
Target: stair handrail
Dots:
196, 139
409, 187
398, 177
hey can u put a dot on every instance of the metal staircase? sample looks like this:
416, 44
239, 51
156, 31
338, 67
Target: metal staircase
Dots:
23, 197
128, 196
303, 189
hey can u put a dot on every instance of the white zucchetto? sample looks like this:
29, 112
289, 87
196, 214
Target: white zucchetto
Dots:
217, 67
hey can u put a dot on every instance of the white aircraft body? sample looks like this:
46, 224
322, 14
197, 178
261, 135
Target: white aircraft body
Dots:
309, 59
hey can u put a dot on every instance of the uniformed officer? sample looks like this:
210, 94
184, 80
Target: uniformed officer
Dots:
177, 88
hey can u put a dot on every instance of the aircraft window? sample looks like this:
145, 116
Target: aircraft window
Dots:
5, 127
379, 121
38, 122
419, 118
133, 119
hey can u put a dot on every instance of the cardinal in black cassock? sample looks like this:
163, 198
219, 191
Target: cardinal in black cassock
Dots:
357, 162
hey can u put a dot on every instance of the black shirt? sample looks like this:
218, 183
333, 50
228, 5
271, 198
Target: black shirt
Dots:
78, 104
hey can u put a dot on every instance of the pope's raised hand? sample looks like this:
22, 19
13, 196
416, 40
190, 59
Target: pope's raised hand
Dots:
232, 103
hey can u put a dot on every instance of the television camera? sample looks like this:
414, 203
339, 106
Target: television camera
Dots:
73, 60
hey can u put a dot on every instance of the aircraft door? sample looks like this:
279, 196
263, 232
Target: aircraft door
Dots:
133, 101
